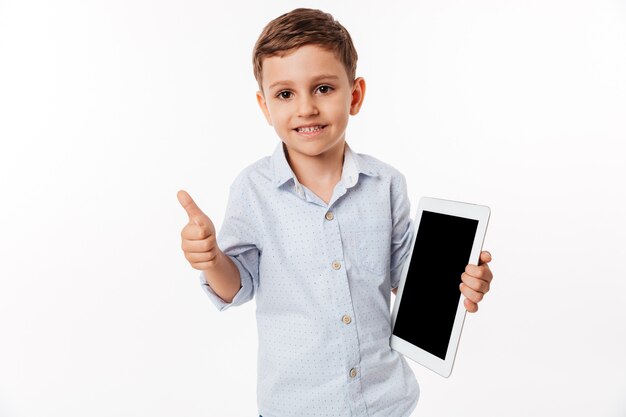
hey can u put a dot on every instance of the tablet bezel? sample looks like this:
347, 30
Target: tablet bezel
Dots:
454, 208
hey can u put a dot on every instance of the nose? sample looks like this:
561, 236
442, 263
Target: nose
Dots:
307, 106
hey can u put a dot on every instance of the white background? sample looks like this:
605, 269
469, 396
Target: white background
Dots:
107, 108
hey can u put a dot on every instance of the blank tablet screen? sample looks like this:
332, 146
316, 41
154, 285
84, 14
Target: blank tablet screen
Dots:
431, 290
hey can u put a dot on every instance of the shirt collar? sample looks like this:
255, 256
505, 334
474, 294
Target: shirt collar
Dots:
353, 165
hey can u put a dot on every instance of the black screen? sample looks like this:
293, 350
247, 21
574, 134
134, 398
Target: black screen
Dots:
431, 291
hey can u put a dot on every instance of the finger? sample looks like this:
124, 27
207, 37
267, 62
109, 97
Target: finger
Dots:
470, 306
200, 257
203, 266
475, 283
470, 294
481, 272
485, 257
193, 231
199, 246
193, 211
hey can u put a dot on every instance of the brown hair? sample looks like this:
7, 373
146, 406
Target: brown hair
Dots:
302, 27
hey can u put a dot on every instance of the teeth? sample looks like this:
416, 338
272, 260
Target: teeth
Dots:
309, 129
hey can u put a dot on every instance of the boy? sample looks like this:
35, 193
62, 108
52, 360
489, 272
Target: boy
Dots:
318, 234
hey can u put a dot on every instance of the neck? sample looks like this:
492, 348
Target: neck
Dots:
323, 169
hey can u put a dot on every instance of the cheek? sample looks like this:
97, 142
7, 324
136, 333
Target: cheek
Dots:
276, 115
281, 121
340, 110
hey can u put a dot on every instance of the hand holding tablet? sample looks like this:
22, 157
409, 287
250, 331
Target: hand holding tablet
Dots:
429, 311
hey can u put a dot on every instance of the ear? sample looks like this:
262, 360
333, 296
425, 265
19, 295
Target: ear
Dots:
263, 105
358, 94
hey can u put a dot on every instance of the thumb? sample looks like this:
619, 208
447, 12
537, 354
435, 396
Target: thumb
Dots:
485, 258
193, 211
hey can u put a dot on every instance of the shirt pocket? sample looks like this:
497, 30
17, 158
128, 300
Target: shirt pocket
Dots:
373, 249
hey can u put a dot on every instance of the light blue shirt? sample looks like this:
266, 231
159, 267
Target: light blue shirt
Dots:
322, 276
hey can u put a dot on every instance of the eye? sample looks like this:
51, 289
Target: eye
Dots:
324, 89
284, 95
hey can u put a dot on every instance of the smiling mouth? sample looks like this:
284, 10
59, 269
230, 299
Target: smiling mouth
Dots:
310, 129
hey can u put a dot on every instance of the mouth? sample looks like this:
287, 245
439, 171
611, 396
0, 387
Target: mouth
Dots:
310, 130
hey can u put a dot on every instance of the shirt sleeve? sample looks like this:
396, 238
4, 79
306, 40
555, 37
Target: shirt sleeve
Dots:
402, 233
238, 239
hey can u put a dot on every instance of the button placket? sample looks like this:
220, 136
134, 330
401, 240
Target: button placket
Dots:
351, 355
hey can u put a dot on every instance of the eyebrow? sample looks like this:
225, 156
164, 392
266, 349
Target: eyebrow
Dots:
316, 79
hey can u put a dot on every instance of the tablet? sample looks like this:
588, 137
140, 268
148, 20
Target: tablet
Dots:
428, 312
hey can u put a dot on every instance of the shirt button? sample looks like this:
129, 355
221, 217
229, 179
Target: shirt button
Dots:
352, 373
330, 215
346, 319
336, 265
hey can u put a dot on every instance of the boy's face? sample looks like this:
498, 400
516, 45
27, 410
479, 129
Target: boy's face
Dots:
308, 98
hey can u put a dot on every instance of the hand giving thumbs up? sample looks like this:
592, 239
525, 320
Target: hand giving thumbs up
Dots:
198, 236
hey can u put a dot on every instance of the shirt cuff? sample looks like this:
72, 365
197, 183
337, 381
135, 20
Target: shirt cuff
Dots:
239, 298
396, 274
